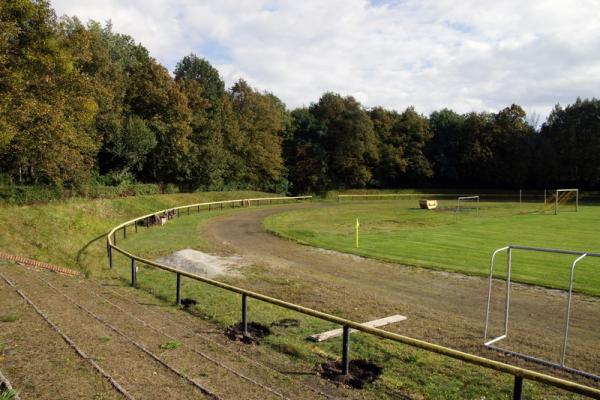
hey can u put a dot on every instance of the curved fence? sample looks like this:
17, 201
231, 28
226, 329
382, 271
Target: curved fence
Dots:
519, 374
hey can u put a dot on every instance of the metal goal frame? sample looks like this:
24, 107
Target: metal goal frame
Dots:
468, 198
490, 343
556, 193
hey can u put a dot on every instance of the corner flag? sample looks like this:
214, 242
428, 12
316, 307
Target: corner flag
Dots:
357, 225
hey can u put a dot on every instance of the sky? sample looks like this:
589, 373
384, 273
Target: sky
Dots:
468, 55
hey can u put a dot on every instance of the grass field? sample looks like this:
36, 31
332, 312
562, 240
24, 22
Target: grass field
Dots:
399, 231
419, 374
72, 234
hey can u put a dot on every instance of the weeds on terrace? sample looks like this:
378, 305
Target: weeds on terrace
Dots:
7, 394
170, 345
9, 318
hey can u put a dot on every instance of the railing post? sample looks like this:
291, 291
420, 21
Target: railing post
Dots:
346, 350
198, 209
124, 231
115, 237
188, 211
178, 213
147, 222
178, 295
135, 224
518, 388
245, 314
110, 260
133, 272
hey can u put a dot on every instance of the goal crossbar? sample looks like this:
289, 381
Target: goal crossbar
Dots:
558, 199
463, 198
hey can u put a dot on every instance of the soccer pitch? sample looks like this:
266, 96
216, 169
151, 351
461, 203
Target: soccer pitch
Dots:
399, 231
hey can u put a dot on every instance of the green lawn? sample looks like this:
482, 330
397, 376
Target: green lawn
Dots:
399, 231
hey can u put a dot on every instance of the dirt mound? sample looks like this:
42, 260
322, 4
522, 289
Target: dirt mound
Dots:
360, 373
197, 262
254, 334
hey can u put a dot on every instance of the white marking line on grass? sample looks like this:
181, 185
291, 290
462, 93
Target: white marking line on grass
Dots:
319, 337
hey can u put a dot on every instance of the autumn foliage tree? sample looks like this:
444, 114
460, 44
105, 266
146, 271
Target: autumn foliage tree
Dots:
80, 102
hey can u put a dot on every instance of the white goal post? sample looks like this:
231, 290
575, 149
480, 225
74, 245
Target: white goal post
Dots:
560, 195
491, 341
469, 198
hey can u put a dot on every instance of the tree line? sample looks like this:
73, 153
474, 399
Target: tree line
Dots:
80, 102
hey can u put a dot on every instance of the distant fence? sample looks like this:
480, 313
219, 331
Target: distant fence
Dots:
519, 373
516, 196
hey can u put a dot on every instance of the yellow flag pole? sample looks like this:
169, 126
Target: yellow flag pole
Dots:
357, 225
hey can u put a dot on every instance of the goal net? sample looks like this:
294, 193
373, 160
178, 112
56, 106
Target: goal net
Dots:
561, 200
468, 204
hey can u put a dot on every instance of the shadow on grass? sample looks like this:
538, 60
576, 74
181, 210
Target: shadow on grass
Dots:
82, 251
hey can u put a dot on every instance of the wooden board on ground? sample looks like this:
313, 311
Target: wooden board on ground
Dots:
319, 337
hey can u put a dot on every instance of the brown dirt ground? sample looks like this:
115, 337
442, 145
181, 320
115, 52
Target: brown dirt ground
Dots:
58, 372
203, 353
444, 308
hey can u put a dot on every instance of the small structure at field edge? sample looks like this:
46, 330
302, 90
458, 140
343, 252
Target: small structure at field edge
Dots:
428, 204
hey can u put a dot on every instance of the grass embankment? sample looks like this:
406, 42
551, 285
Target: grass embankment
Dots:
399, 231
72, 233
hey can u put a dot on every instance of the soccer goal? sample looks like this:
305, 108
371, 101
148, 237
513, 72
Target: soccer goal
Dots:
563, 199
468, 203
492, 343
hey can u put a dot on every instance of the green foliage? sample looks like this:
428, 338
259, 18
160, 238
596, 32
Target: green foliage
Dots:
193, 68
262, 120
572, 139
77, 98
7, 394
10, 194
50, 106
305, 156
130, 145
170, 345
9, 318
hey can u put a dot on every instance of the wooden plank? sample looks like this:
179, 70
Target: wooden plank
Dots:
319, 337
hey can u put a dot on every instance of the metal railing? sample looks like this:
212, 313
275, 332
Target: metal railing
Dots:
491, 343
520, 374
381, 196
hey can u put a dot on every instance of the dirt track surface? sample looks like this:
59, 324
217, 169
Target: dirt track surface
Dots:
122, 330
444, 308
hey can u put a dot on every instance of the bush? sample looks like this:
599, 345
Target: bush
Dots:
170, 188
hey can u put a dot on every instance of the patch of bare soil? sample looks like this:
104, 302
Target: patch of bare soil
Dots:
360, 373
255, 332
443, 308
199, 263
286, 323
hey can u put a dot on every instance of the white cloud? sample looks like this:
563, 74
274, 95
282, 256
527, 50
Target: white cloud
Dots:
468, 55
